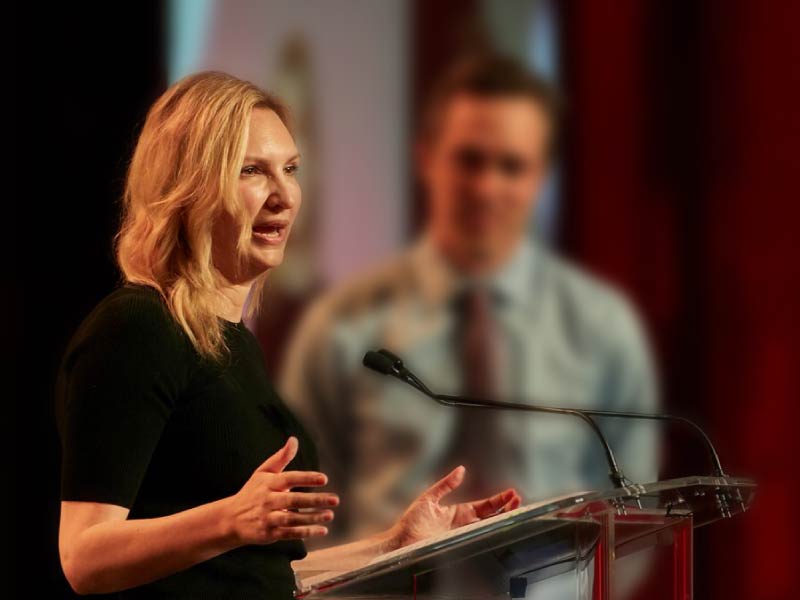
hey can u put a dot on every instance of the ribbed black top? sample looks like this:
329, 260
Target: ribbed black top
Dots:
148, 424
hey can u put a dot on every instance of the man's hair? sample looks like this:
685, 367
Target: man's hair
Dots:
487, 76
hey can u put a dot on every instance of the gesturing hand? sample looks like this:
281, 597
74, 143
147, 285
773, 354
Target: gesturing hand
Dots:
262, 511
426, 516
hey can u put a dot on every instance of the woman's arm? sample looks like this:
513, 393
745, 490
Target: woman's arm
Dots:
424, 517
101, 551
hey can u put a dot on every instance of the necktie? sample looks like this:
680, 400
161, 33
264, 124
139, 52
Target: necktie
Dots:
475, 441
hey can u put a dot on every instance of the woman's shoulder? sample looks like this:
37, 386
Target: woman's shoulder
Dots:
132, 305
133, 317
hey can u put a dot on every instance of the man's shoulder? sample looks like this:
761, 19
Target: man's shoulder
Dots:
586, 298
348, 310
572, 278
381, 283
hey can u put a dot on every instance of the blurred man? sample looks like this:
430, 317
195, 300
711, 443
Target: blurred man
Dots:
476, 306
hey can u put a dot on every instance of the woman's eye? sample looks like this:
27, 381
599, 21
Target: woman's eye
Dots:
250, 170
292, 169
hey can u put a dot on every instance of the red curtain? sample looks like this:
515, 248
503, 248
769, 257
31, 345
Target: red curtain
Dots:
681, 186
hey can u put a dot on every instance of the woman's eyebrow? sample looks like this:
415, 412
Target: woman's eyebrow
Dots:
261, 159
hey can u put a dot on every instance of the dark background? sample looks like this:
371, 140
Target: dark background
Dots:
680, 185
74, 132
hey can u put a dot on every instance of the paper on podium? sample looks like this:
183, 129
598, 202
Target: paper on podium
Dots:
442, 539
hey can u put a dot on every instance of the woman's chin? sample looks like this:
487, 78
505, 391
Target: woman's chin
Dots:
268, 259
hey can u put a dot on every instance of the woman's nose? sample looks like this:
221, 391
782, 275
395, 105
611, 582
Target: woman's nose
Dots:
278, 200
280, 194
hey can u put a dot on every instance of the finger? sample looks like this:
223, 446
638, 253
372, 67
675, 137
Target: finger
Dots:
446, 484
278, 461
513, 504
290, 479
286, 518
488, 506
306, 500
304, 531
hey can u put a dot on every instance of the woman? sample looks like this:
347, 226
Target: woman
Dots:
184, 474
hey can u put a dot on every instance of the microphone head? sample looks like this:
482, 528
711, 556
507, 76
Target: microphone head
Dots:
396, 360
378, 362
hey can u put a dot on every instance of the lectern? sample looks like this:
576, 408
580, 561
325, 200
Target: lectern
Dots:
590, 545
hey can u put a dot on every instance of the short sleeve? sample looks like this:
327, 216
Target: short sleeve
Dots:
119, 381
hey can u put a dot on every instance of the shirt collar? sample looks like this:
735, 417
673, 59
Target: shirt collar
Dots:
439, 281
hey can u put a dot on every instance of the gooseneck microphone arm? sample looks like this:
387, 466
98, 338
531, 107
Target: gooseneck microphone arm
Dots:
716, 466
386, 363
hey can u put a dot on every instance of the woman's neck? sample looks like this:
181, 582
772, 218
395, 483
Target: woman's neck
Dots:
233, 299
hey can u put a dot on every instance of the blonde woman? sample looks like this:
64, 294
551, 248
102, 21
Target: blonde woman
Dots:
182, 470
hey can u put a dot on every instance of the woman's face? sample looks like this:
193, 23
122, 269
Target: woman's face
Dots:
269, 191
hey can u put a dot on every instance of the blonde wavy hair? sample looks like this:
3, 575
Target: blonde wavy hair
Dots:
181, 178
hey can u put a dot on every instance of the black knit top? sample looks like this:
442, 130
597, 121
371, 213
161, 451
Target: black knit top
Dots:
146, 423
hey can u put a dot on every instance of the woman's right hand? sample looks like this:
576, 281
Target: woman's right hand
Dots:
263, 512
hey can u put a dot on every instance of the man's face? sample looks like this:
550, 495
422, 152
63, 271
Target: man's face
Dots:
482, 170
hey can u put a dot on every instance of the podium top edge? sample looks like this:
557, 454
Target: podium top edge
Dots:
688, 481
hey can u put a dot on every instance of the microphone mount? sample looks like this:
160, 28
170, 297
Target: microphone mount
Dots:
385, 362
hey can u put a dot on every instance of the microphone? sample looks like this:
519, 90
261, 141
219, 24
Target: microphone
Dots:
380, 362
386, 363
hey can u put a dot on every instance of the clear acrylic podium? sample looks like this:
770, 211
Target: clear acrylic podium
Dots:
596, 545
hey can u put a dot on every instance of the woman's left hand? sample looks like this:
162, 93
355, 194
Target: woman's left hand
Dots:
426, 516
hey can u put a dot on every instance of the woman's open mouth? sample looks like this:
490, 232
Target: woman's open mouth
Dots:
272, 233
